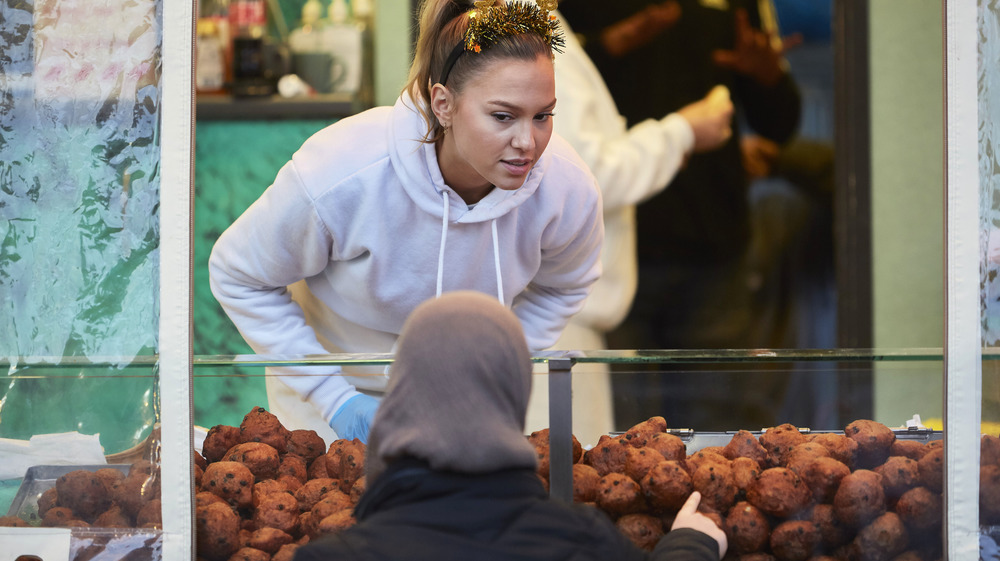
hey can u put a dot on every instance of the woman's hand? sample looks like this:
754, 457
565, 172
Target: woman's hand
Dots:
689, 517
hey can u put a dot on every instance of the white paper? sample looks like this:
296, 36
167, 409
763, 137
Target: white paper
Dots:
46, 543
58, 449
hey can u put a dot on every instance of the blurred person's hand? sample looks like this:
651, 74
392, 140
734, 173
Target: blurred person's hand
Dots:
640, 28
711, 119
759, 156
755, 53
689, 517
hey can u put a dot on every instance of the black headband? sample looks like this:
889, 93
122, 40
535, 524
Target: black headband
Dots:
450, 63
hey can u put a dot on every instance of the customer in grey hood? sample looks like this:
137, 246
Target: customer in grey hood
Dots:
451, 474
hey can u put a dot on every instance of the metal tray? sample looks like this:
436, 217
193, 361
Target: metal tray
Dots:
37, 480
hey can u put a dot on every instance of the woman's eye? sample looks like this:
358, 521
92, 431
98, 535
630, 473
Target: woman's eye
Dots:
502, 117
544, 116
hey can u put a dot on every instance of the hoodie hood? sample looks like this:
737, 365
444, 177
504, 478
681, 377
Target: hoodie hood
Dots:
416, 163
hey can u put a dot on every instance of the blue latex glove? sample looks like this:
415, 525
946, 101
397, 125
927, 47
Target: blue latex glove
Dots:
355, 417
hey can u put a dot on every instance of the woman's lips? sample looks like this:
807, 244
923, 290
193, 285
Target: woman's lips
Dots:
517, 167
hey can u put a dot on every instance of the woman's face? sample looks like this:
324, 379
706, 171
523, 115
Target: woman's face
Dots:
497, 127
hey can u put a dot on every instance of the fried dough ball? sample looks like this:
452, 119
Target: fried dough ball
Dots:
638, 461
638, 435
794, 540
263, 488
307, 444
670, 446
643, 530
540, 439
908, 448
666, 486
333, 501
232, 481
607, 456
10, 521
744, 444
747, 528
278, 510
803, 454
111, 477
352, 464
618, 494
780, 492
198, 472
150, 515
218, 531
832, 532
704, 456
989, 450
860, 498
205, 498
823, 476
84, 493
745, 472
715, 483
931, 468
884, 538
138, 488
317, 468
585, 479
286, 553
294, 466
58, 516
336, 522
921, 509
989, 494
261, 459
199, 460
840, 447
114, 517
780, 440
269, 540
250, 554
48, 499
899, 475
261, 426
874, 441
313, 490
359, 488
333, 456
218, 441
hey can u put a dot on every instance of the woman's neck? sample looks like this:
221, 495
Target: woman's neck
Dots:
458, 174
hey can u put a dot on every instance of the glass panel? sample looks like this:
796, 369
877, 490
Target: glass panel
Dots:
989, 180
79, 236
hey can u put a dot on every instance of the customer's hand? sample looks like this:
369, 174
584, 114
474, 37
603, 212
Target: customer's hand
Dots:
757, 54
689, 517
623, 37
354, 418
711, 119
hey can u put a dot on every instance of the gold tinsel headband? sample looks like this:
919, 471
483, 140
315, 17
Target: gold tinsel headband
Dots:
489, 23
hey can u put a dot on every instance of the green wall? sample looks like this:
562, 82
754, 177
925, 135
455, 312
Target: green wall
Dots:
234, 162
907, 200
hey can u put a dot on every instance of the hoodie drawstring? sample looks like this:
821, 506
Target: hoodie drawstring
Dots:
496, 261
444, 240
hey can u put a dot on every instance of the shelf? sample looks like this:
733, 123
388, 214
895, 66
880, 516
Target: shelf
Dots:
221, 107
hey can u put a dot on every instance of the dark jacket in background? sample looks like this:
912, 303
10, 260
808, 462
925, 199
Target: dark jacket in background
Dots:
703, 216
412, 513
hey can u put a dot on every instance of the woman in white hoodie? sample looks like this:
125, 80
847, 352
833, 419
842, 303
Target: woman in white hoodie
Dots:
459, 185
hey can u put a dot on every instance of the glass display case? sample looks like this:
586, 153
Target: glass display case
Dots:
96, 283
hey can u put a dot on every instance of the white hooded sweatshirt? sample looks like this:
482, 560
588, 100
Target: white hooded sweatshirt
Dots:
359, 228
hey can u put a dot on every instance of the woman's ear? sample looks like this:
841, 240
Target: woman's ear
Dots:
442, 104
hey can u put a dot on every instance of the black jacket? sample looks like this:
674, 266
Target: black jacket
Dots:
414, 513
704, 215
